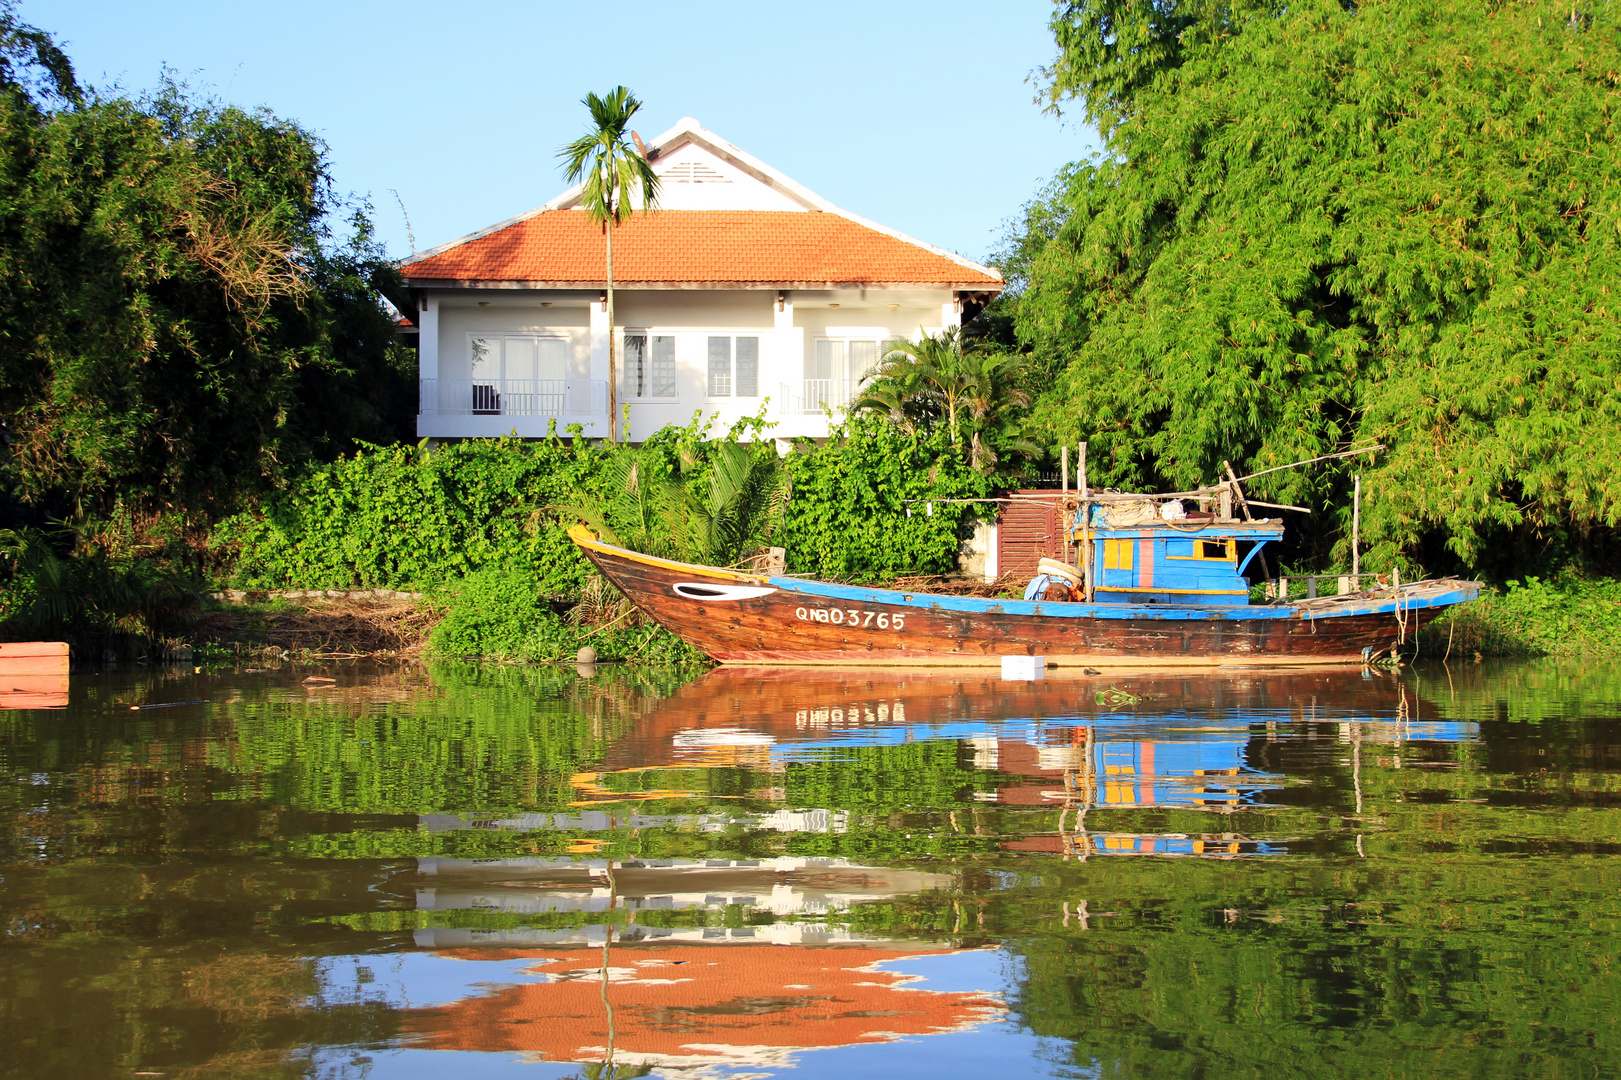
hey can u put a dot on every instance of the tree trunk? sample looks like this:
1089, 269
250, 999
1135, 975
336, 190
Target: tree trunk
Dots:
613, 362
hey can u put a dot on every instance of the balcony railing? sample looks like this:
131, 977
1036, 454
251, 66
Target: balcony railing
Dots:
513, 397
811, 395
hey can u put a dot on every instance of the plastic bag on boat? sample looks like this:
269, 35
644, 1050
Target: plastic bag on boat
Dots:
1173, 511
1037, 586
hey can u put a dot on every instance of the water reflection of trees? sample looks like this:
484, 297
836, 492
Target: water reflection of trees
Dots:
1426, 899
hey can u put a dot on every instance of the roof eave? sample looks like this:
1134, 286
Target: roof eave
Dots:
495, 283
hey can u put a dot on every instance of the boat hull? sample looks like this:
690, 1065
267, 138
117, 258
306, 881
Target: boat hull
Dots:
738, 618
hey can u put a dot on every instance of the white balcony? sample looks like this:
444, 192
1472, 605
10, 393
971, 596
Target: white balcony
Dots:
810, 396
514, 397
473, 408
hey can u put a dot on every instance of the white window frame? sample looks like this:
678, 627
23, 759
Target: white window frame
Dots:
731, 335
649, 333
527, 335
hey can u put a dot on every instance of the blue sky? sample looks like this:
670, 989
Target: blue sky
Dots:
917, 114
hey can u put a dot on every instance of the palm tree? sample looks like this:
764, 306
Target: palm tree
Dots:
612, 169
927, 371
713, 511
941, 375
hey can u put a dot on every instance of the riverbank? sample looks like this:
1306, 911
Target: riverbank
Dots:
1568, 616
315, 628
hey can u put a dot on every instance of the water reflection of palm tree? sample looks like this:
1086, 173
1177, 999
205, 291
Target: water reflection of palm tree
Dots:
606, 1069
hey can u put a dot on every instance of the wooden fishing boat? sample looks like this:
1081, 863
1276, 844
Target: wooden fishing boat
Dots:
1171, 593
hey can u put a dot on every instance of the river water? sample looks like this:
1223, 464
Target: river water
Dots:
542, 872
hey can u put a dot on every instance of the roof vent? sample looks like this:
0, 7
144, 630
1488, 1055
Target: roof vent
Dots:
693, 172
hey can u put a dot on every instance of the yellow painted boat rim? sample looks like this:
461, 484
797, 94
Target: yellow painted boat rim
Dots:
586, 537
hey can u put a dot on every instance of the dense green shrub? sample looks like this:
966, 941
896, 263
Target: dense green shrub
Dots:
92, 598
399, 516
860, 505
503, 615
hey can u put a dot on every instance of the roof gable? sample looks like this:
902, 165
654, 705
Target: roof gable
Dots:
724, 217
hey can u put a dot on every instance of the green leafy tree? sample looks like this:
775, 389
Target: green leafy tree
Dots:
1322, 222
615, 173
176, 333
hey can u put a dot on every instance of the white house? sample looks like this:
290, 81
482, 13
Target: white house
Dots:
741, 290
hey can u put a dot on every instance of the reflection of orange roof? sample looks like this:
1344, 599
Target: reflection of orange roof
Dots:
747, 247
695, 1001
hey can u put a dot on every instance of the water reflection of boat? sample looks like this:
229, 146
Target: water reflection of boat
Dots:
1204, 743
756, 715
1170, 607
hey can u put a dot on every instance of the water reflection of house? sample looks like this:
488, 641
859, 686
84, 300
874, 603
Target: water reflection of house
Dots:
787, 890
682, 994
689, 1006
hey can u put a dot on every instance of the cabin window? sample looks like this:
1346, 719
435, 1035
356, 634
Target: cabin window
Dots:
1224, 549
734, 366
649, 365
1117, 554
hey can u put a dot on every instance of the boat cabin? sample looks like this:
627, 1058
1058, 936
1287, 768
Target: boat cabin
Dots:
1181, 562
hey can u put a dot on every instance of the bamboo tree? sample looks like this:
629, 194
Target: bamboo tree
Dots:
612, 170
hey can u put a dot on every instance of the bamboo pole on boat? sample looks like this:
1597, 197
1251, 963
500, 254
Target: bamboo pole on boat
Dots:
1238, 492
1086, 524
1356, 529
1065, 456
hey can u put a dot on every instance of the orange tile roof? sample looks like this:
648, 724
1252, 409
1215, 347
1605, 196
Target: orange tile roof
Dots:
750, 247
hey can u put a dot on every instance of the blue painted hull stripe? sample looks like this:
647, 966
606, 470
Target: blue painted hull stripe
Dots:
855, 594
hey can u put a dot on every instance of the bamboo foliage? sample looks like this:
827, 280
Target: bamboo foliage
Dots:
1320, 222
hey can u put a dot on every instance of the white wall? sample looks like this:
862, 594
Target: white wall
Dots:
715, 184
691, 316
459, 319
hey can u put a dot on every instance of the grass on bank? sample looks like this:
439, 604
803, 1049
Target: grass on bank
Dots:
1569, 616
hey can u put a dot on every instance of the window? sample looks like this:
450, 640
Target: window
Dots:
650, 365
498, 358
1223, 550
720, 367
734, 366
1117, 554
863, 359
748, 367
835, 367
515, 372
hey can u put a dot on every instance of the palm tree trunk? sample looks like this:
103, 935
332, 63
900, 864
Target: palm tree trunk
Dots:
613, 362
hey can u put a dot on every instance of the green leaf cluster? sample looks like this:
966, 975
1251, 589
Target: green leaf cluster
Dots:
870, 503
1323, 222
178, 327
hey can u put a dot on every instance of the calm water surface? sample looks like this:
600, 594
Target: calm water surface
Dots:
540, 873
